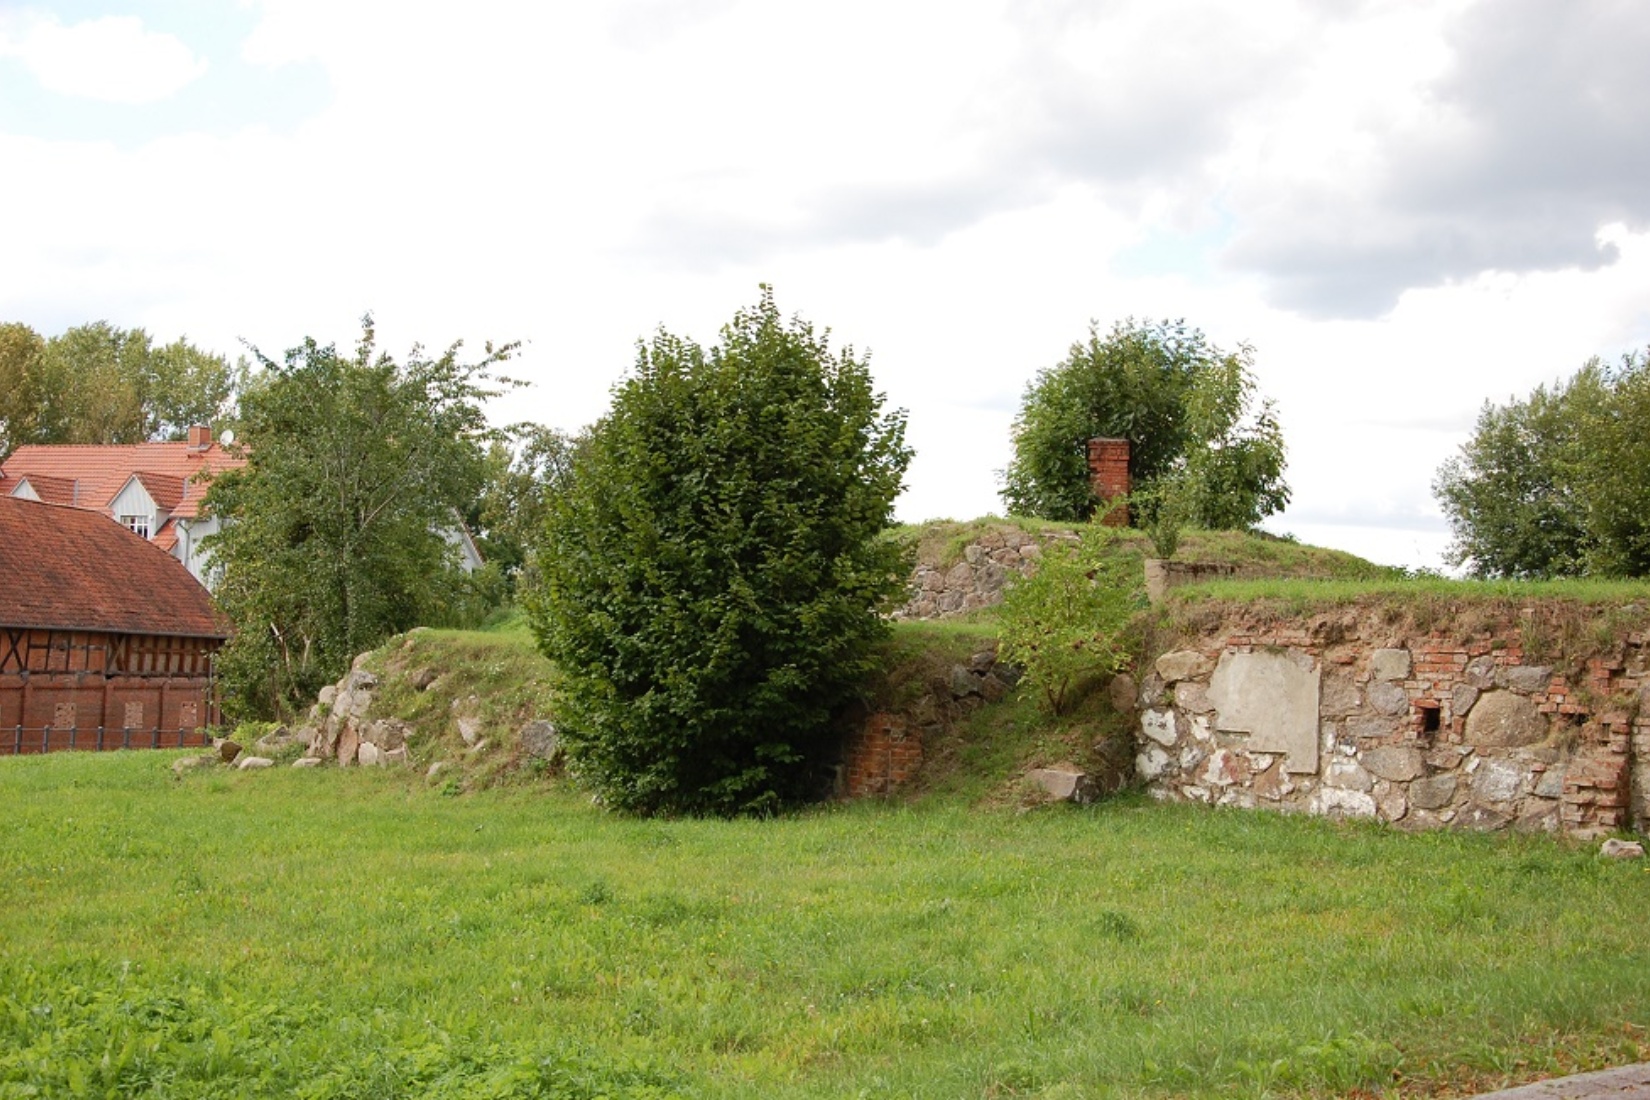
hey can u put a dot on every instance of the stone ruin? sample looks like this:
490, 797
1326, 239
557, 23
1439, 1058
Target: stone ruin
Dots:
1334, 717
1000, 554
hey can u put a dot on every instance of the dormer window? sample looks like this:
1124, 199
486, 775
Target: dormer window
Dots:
138, 525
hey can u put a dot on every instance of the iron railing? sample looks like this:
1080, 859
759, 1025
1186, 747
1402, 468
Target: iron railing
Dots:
22, 740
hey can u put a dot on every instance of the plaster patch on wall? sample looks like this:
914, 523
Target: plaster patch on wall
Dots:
1273, 697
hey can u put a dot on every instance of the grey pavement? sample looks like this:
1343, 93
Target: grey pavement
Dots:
1625, 1083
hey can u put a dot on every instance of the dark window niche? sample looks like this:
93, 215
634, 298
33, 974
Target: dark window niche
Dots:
1428, 721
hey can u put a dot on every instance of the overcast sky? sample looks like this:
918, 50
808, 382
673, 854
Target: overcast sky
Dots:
1405, 208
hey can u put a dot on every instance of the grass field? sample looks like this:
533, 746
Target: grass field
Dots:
354, 934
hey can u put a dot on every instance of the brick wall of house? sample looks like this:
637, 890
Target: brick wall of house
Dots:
54, 711
94, 690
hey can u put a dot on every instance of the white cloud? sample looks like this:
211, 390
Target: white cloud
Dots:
113, 59
954, 185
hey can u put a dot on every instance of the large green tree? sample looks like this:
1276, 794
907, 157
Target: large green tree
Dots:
1197, 430
1558, 483
1509, 494
522, 472
21, 349
337, 532
97, 383
713, 573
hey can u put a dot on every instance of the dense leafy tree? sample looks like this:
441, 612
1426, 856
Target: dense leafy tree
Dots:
333, 533
97, 383
1557, 484
1609, 464
713, 571
1509, 494
1199, 440
521, 474
20, 351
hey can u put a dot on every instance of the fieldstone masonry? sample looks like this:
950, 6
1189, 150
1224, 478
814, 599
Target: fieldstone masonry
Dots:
1333, 716
979, 578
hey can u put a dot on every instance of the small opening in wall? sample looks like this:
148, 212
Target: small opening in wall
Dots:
1428, 719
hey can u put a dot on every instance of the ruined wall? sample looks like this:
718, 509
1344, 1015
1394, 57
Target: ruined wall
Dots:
1345, 715
885, 748
978, 579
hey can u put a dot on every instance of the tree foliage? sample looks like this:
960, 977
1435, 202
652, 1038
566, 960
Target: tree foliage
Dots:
97, 383
338, 531
522, 472
1200, 439
1558, 483
713, 571
1066, 623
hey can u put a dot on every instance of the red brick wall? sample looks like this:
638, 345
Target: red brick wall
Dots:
882, 754
1109, 474
171, 710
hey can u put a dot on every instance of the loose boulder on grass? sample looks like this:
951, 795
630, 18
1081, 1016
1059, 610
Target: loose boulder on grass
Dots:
1062, 784
540, 741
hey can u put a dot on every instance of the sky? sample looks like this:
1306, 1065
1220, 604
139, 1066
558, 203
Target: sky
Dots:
1405, 209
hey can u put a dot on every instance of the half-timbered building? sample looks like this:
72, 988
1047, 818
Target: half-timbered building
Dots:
106, 640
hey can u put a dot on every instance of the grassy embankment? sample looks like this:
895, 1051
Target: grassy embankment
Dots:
361, 933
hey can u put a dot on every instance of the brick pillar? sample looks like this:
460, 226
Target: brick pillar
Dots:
1109, 475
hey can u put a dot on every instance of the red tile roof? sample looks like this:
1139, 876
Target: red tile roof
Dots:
72, 569
52, 490
175, 474
166, 490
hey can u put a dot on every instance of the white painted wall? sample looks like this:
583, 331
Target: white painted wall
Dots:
134, 500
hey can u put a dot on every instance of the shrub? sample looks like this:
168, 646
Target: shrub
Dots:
712, 575
1067, 622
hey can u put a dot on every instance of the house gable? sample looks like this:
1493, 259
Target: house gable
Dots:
135, 509
148, 487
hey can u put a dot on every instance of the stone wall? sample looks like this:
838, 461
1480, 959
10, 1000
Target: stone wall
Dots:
1342, 715
978, 579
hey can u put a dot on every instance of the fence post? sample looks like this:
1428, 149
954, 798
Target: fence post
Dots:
45, 739
100, 739
18, 751
126, 737
73, 728
154, 737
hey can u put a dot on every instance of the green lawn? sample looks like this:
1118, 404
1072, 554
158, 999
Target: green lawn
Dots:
354, 934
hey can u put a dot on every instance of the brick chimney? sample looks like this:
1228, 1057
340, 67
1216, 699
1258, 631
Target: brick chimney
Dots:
1109, 475
200, 437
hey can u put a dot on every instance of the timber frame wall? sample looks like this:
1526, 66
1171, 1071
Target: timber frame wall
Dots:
83, 689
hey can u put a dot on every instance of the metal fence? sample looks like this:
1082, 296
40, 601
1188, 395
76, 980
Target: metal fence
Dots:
26, 740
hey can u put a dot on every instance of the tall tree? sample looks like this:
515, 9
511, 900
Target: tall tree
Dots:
333, 531
97, 383
522, 473
1189, 411
1557, 484
1510, 495
21, 349
713, 572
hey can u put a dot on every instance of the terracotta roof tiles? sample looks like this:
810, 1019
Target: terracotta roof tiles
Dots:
73, 569
102, 471
175, 475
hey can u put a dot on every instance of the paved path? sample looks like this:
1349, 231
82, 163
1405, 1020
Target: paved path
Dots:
1626, 1083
